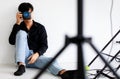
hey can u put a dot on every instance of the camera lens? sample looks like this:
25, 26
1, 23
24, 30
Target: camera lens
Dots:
26, 15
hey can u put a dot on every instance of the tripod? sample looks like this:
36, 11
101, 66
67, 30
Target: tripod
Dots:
80, 65
78, 40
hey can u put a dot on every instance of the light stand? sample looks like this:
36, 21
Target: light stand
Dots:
78, 40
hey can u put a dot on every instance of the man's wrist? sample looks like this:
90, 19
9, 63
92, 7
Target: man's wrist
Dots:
18, 23
37, 53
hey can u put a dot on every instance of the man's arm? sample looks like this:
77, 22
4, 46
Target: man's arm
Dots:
12, 36
15, 29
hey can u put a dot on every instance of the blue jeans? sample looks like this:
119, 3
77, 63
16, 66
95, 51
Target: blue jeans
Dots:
23, 52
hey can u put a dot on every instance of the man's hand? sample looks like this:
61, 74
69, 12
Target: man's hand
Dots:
33, 58
18, 18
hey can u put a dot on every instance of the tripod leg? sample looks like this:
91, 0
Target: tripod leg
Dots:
106, 63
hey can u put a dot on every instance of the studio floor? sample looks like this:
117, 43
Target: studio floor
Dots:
6, 72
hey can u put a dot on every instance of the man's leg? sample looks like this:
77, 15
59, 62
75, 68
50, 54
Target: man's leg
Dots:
42, 61
54, 68
21, 49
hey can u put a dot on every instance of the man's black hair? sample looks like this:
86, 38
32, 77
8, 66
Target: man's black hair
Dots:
25, 6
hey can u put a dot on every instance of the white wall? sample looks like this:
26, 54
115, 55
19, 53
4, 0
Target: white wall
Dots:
59, 19
98, 25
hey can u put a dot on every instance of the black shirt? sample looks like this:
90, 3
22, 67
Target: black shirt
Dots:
37, 36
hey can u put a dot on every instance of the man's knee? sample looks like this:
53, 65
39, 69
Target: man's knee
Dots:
21, 34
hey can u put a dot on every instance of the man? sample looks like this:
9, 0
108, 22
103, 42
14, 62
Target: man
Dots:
30, 40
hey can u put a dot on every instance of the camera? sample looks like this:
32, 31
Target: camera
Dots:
26, 15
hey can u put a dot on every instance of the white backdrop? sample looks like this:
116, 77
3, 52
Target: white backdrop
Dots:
59, 18
101, 22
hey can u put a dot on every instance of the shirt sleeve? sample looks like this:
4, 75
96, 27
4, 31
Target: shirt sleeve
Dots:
13, 33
